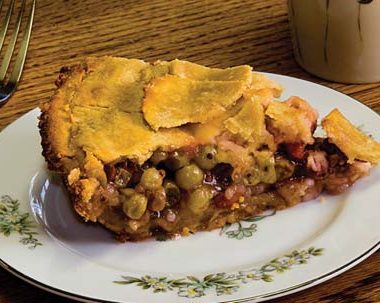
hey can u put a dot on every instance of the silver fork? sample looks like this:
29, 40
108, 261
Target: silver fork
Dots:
7, 88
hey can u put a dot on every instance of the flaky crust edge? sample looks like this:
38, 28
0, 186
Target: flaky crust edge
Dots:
48, 127
49, 150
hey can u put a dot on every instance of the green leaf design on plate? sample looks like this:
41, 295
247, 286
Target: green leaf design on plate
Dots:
240, 230
13, 221
222, 283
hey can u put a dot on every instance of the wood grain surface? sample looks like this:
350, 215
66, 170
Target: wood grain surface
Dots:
215, 33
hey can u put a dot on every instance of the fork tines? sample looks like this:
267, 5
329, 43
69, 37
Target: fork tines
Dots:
8, 87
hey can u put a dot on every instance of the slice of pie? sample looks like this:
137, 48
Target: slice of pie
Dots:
171, 148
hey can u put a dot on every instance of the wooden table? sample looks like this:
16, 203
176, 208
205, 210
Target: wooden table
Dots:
216, 33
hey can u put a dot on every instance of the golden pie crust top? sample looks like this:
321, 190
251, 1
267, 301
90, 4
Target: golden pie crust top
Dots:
117, 108
126, 108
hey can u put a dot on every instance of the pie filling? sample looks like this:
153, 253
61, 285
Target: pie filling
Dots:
202, 188
170, 148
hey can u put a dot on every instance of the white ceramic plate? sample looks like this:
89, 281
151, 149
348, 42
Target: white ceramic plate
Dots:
259, 260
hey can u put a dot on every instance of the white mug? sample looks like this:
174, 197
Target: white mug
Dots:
337, 40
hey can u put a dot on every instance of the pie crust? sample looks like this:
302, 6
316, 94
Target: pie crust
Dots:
167, 148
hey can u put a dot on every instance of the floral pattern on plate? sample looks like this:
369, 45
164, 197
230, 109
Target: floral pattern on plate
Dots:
222, 283
12, 220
